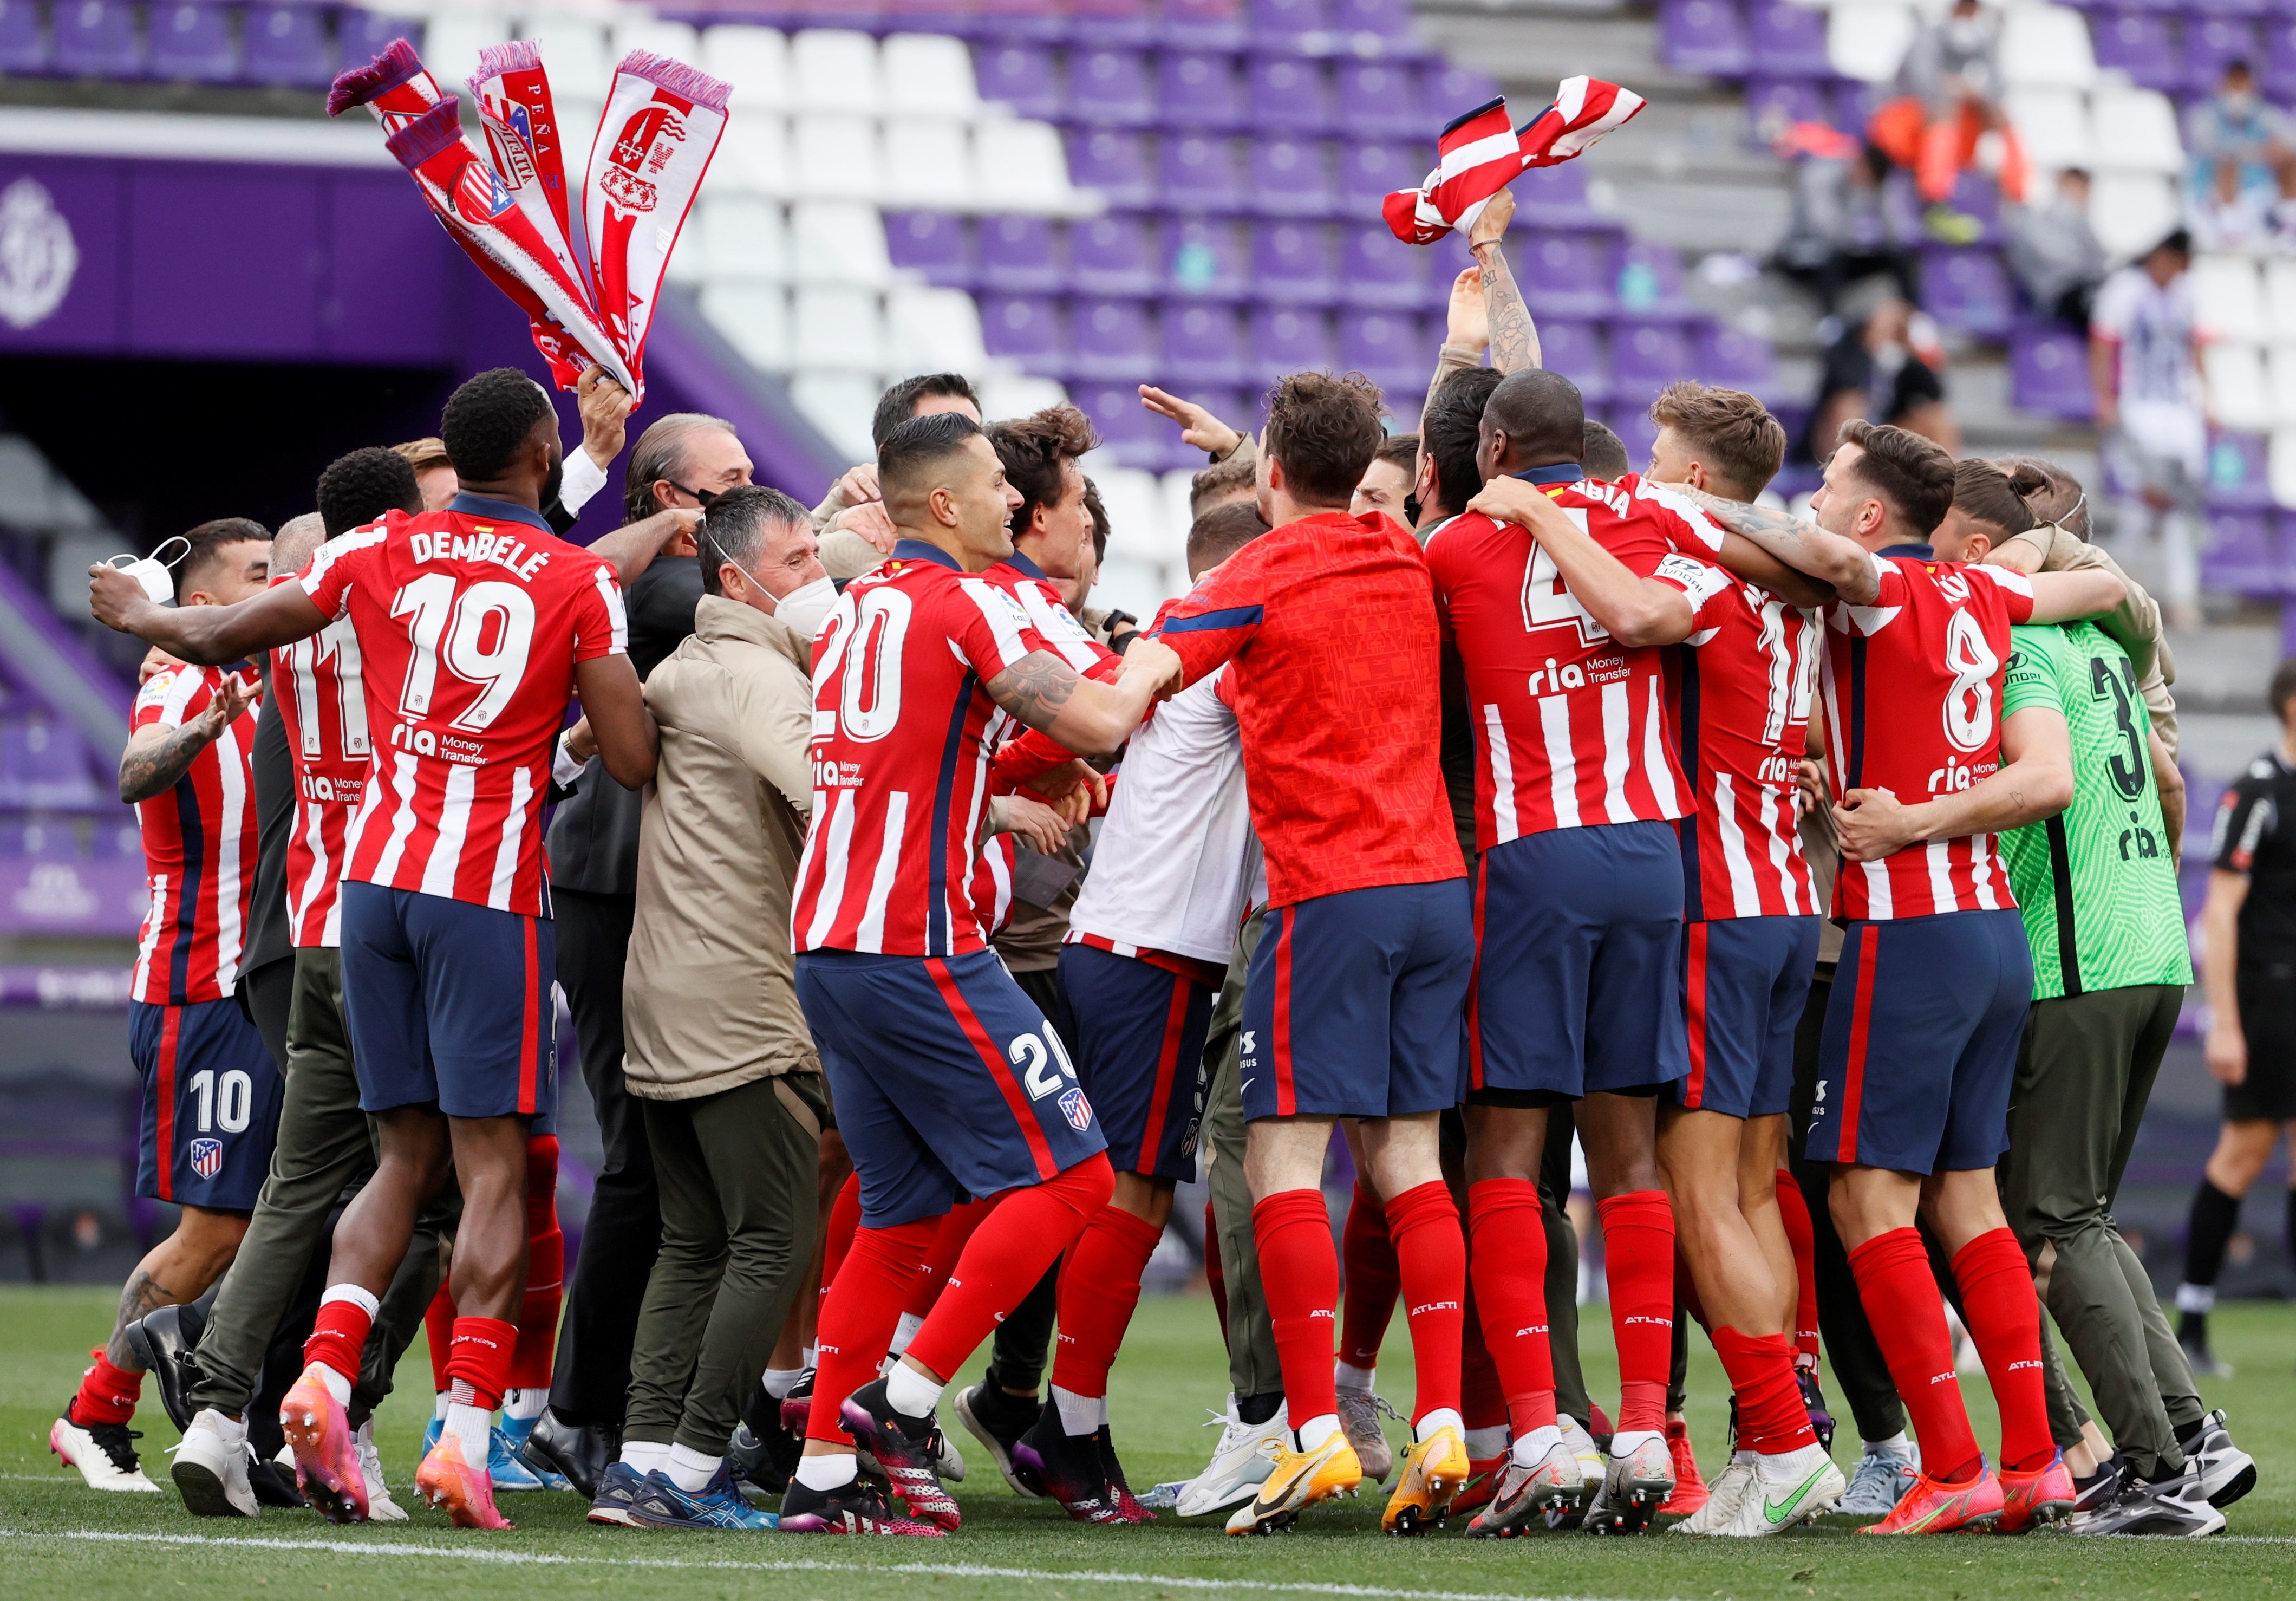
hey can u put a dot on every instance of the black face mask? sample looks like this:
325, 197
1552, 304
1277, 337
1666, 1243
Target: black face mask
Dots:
705, 496
1411, 511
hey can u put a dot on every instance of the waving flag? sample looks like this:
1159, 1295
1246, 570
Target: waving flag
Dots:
1481, 152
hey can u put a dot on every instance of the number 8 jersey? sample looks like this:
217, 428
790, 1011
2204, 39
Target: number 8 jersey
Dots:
470, 621
1912, 690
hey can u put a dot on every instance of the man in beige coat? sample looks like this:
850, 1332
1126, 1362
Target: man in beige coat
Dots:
718, 1054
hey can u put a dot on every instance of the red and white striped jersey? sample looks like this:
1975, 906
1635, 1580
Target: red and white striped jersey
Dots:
324, 704
469, 623
900, 760
1570, 727
1912, 689
1738, 693
198, 850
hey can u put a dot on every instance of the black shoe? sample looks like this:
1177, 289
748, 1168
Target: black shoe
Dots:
2177, 1506
2099, 1489
998, 1421
1813, 1399
1070, 1468
581, 1452
755, 1459
163, 1342
274, 1486
855, 1509
1127, 1505
907, 1451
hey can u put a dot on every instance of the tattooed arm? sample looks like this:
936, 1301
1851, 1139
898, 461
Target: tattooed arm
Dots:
1514, 336
1087, 716
157, 756
1800, 545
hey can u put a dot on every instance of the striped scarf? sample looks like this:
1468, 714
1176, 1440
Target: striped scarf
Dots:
1481, 152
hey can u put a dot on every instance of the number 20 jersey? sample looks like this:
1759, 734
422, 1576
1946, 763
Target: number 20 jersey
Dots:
469, 621
1912, 691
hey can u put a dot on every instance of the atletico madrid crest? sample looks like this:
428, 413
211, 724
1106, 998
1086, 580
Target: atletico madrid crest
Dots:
1077, 1110
207, 1157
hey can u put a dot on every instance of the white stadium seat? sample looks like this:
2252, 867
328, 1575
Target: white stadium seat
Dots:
837, 241
573, 52
2054, 126
2136, 131
676, 40
2280, 375
834, 156
1177, 484
1016, 395
2280, 469
754, 319
1022, 166
1126, 583
924, 164
753, 158
451, 41
1867, 42
929, 75
834, 328
2238, 394
2046, 47
842, 405
739, 238
754, 59
2280, 299
2133, 211
2228, 300
835, 70
933, 330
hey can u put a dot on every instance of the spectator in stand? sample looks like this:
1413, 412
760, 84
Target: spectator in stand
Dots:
1947, 108
2055, 252
2144, 363
1839, 230
1885, 370
2235, 139
855, 533
1386, 485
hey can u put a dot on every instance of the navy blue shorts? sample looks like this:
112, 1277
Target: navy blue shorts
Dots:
1138, 1031
1744, 982
1578, 983
1921, 1043
947, 1080
211, 1097
1352, 1005
448, 1003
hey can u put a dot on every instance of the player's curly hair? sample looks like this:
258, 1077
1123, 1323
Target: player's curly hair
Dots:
1323, 431
488, 419
1034, 450
358, 488
208, 542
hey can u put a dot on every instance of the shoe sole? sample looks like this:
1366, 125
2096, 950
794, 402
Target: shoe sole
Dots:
1644, 1499
942, 1512
2236, 1487
612, 1518
172, 1398
1417, 1517
448, 1494
1518, 1521
321, 1484
204, 1492
995, 1448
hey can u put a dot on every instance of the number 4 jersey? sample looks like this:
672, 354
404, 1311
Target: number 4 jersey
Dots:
1912, 689
469, 623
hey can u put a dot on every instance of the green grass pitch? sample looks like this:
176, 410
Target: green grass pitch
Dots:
60, 1539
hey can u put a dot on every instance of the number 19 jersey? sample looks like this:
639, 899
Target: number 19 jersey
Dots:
1912, 689
469, 621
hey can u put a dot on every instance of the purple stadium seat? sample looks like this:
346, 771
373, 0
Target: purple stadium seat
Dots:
1966, 288
1199, 92
1978, 196
1369, 171
933, 243
364, 35
287, 46
1199, 175
1201, 345
1288, 93
1705, 37
927, 16
23, 42
1024, 329
2234, 8
1204, 24
1378, 270
1381, 19
1564, 274
2243, 555
1855, 104
97, 39
1447, 259
1630, 421
2048, 371
1114, 161
1775, 103
1039, 21
1650, 281
1574, 349
2138, 44
1730, 359
1113, 21
1445, 92
2238, 473
192, 43
1553, 197
1134, 437
1290, 178
1281, 22
1289, 338
1109, 256
2211, 43
1110, 85
2278, 69
1391, 349
1646, 355
1378, 99
1016, 255
1110, 339
1020, 75
1788, 39
1202, 259
44, 763
1293, 262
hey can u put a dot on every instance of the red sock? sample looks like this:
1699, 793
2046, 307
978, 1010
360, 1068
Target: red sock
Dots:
837, 1233
859, 1315
339, 1337
1214, 1276
478, 1369
1432, 1254
1908, 1317
546, 1268
439, 1332
107, 1394
941, 1261
2004, 1317
1100, 1285
1509, 1266
1300, 1275
1370, 1280
1638, 1262
1008, 1254
1771, 1416
1795, 1211
1482, 1399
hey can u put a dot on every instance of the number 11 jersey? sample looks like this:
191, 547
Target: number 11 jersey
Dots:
470, 622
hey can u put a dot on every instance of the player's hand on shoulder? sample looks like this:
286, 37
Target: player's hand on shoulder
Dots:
1031, 822
1507, 499
871, 522
155, 662
858, 485
1153, 660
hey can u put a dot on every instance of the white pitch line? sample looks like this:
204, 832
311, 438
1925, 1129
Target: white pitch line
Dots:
951, 1569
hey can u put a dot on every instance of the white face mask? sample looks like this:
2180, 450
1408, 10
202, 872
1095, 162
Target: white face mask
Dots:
806, 607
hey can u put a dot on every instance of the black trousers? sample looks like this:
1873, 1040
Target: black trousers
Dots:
592, 1381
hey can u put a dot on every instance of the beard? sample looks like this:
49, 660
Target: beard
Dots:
551, 485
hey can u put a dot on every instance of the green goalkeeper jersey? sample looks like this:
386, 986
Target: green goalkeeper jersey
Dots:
2097, 883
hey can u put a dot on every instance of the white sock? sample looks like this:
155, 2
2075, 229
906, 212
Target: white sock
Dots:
1313, 1433
1531, 1449
645, 1456
812, 1358
2196, 1298
827, 1472
1484, 1444
233, 1430
1348, 1377
522, 1406
909, 1392
1792, 1464
338, 1386
1439, 1418
440, 1411
903, 1332
474, 1425
1897, 1445
1080, 1413
690, 1470
1626, 1443
780, 1380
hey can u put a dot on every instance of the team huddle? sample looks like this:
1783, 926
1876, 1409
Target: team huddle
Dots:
1481, 795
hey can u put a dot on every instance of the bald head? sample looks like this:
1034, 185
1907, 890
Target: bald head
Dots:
1534, 418
297, 538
